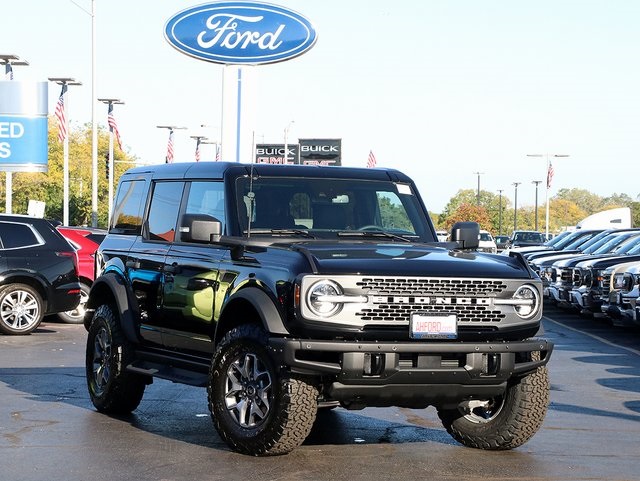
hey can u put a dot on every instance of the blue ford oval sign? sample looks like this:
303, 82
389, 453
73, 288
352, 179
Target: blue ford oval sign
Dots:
240, 33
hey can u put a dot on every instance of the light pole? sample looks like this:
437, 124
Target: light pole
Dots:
94, 122
217, 147
8, 60
199, 140
218, 144
286, 144
65, 82
110, 173
171, 128
549, 174
515, 208
479, 174
500, 213
536, 182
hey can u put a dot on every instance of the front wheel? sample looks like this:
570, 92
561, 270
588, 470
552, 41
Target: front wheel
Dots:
112, 389
21, 309
503, 422
257, 407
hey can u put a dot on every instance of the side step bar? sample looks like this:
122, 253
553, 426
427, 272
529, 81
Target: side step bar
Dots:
194, 372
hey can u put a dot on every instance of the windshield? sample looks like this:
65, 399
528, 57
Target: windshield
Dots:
611, 244
326, 208
586, 241
558, 240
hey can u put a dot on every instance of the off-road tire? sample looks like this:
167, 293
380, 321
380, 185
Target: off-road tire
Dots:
112, 389
21, 309
274, 427
76, 316
514, 422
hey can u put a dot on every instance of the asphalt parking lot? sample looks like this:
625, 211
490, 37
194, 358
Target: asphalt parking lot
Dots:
49, 429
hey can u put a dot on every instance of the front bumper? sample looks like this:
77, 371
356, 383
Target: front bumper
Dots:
412, 374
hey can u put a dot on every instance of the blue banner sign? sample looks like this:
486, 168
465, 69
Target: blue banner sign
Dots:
22, 148
23, 127
246, 33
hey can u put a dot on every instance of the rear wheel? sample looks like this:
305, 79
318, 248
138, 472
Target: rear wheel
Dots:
112, 389
257, 407
503, 422
21, 309
76, 316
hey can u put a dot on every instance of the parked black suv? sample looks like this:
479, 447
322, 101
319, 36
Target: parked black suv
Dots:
285, 288
38, 273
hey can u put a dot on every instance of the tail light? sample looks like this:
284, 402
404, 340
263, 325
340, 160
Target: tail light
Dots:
74, 258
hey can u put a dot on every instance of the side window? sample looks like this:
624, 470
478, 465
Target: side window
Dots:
205, 201
163, 212
17, 235
127, 213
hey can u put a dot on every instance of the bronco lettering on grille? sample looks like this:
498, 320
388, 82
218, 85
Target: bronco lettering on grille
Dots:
437, 300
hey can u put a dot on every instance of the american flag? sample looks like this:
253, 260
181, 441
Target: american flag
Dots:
8, 71
61, 116
217, 152
113, 126
169, 159
371, 160
197, 149
549, 175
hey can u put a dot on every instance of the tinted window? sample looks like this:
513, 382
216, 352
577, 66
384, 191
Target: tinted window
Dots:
163, 213
17, 235
329, 207
205, 201
127, 214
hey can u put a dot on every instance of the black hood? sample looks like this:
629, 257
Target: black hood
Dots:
412, 260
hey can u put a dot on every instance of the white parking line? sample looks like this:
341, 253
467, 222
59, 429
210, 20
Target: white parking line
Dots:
609, 343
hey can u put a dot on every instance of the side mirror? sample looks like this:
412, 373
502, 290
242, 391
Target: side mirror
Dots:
466, 234
200, 228
206, 230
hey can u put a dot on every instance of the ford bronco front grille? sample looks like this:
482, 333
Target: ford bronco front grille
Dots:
396, 298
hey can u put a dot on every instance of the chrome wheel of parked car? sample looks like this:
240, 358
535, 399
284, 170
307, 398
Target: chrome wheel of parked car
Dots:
76, 316
21, 309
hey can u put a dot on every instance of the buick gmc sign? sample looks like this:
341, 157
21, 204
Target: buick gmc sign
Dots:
240, 33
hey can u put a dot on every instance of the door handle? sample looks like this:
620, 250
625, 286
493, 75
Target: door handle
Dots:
171, 269
133, 264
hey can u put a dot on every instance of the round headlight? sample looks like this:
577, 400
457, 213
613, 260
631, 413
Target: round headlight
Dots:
529, 301
589, 278
319, 298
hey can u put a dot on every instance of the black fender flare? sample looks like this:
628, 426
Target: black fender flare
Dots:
123, 303
264, 306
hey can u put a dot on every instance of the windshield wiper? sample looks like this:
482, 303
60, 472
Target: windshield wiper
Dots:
373, 233
298, 232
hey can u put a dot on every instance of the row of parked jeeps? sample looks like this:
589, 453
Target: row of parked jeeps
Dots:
593, 272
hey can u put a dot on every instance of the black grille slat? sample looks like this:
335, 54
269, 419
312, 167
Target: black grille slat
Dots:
471, 313
425, 287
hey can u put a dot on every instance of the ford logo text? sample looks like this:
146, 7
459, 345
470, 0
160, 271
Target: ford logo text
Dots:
240, 33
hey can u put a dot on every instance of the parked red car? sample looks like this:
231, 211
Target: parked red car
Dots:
85, 240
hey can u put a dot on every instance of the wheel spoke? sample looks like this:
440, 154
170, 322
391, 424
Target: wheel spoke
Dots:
248, 387
19, 310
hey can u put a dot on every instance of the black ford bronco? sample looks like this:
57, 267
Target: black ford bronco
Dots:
282, 289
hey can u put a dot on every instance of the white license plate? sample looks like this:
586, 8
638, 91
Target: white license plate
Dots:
434, 326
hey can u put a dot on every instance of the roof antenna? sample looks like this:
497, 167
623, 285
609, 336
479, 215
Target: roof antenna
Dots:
251, 195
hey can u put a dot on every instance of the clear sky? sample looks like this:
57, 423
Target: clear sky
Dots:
440, 89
